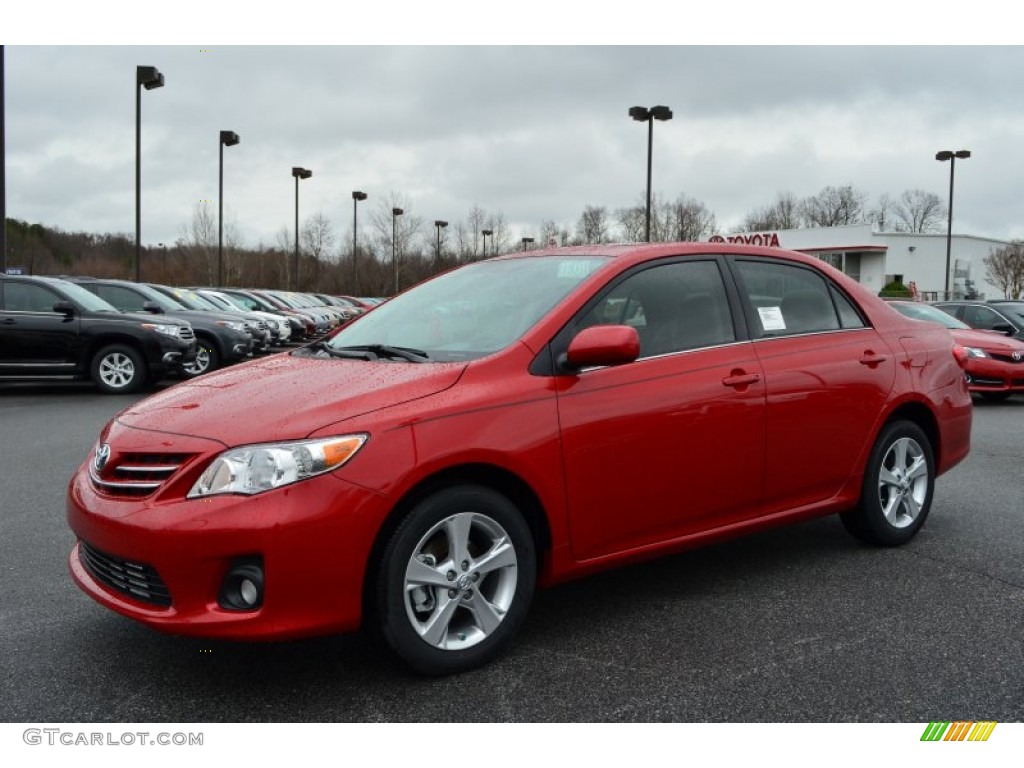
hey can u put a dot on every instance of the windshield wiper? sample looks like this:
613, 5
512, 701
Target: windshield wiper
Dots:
375, 351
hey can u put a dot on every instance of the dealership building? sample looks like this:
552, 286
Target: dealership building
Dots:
876, 258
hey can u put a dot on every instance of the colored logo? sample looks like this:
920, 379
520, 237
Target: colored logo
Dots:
961, 730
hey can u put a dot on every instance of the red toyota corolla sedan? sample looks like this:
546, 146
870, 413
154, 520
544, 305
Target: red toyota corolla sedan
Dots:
993, 363
518, 421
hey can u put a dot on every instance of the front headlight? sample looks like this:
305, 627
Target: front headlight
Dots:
166, 330
240, 327
254, 469
975, 352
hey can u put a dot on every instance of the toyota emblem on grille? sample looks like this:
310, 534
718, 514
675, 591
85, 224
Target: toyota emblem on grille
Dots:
102, 454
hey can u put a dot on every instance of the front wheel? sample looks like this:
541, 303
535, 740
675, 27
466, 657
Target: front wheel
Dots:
456, 580
118, 369
898, 485
206, 360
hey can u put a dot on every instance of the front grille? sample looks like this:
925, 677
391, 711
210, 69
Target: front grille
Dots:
136, 580
185, 333
1005, 358
136, 474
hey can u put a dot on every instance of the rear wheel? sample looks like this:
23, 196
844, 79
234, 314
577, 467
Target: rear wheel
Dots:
898, 485
455, 580
118, 369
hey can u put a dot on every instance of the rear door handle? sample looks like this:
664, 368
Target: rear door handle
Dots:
870, 359
9, 321
741, 380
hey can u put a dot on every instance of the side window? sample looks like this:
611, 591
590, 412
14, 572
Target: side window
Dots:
981, 317
674, 307
787, 299
26, 297
123, 298
849, 317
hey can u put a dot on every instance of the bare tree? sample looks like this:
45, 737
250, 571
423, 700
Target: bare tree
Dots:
631, 222
317, 236
689, 220
919, 211
592, 227
781, 214
552, 235
1004, 268
833, 207
198, 243
404, 228
882, 214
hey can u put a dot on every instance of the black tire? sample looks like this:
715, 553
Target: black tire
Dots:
118, 369
467, 607
207, 359
995, 397
899, 482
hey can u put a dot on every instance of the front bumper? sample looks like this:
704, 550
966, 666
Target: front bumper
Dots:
991, 375
314, 539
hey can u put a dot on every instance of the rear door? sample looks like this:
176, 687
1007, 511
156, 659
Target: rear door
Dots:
672, 443
827, 374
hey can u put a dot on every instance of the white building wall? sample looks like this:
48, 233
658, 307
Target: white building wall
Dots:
920, 258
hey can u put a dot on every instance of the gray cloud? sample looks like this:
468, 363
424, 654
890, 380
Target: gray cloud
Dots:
533, 132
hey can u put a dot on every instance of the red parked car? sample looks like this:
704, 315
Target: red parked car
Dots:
516, 422
992, 361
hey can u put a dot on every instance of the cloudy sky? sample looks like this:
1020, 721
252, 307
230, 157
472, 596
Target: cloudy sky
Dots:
535, 132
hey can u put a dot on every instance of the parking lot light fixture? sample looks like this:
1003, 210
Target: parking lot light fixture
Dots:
148, 78
298, 173
227, 139
487, 233
395, 213
356, 197
645, 115
942, 157
439, 225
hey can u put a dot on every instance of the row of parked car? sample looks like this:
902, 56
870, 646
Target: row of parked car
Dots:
123, 335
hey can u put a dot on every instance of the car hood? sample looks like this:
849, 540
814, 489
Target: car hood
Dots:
988, 340
285, 397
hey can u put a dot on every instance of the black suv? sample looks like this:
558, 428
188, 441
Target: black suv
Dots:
53, 329
222, 337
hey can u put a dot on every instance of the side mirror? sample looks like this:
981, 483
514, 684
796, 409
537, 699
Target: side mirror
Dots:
1006, 328
65, 308
152, 307
601, 345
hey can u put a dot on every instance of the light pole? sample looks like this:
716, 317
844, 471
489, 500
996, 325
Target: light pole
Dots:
227, 139
298, 173
437, 256
942, 157
486, 233
395, 213
356, 197
526, 242
645, 115
148, 78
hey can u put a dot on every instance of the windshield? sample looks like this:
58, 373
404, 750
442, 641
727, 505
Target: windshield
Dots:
929, 313
473, 311
88, 300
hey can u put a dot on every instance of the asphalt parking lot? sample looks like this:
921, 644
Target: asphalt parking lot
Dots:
797, 624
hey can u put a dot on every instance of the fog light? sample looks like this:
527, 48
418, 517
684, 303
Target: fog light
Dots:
242, 588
